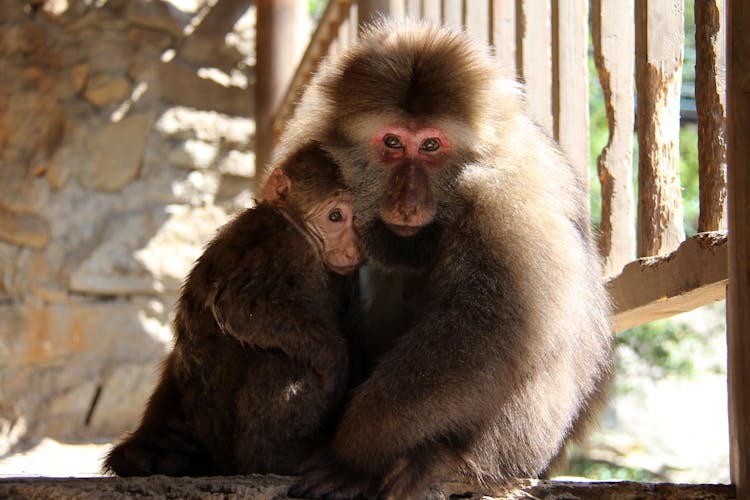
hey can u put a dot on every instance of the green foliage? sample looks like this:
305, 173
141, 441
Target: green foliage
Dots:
689, 177
316, 8
660, 347
598, 138
674, 347
603, 470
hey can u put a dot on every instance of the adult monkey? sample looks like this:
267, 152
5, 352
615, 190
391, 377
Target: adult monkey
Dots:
485, 318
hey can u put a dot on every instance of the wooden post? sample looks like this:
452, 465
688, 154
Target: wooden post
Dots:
659, 37
612, 26
477, 20
453, 14
413, 9
371, 10
738, 293
503, 33
281, 35
710, 103
570, 81
534, 58
347, 32
431, 11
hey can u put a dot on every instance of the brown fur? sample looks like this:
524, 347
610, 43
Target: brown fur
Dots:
259, 366
489, 330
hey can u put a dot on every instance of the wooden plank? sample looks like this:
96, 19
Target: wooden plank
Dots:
336, 11
570, 81
738, 303
653, 288
370, 10
280, 41
710, 102
413, 9
504, 33
397, 9
453, 13
431, 11
477, 19
614, 40
659, 37
534, 58
346, 34
352, 21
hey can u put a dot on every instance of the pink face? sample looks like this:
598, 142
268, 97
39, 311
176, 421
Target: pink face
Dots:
332, 222
411, 157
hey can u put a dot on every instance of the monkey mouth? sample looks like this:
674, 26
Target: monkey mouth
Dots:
344, 270
402, 230
386, 247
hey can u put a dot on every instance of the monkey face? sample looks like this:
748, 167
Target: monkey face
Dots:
403, 113
409, 159
332, 224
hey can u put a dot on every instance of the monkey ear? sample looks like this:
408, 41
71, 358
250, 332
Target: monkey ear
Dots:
277, 188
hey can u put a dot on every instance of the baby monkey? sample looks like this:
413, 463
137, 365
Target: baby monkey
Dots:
260, 364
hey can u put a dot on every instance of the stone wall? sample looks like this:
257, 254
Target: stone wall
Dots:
126, 138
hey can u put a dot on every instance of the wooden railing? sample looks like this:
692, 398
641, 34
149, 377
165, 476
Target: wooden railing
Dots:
651, 270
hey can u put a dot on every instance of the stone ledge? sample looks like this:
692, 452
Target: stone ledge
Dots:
270, 487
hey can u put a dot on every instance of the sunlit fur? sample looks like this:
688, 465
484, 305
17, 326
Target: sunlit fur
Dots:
490, 343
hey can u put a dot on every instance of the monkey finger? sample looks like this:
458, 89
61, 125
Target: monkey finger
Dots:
330, 482
179, 442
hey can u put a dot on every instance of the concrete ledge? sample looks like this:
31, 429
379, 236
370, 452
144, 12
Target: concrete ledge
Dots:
270, 487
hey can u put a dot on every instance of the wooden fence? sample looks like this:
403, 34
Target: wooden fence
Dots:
652, 270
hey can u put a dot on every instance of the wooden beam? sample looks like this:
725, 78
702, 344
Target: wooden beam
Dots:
613, 33
453, 13
431, 11
371, 10
503, 34
659, 37
477, 20
280, 40
337, 11
653, 288
710, 89
570, 81
413, 9
534, 58
738, 303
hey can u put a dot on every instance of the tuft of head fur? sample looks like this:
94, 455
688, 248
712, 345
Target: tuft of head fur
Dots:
314, 176
404, 71
417, 70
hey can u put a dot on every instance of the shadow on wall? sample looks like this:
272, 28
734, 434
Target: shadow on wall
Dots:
126, 138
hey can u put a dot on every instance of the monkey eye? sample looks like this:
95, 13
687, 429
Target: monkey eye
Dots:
431, 144
335, 215
392, 141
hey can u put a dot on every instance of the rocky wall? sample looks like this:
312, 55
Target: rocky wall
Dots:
126, 137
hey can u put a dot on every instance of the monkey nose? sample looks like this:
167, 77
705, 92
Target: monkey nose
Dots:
353, 255
407, 210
